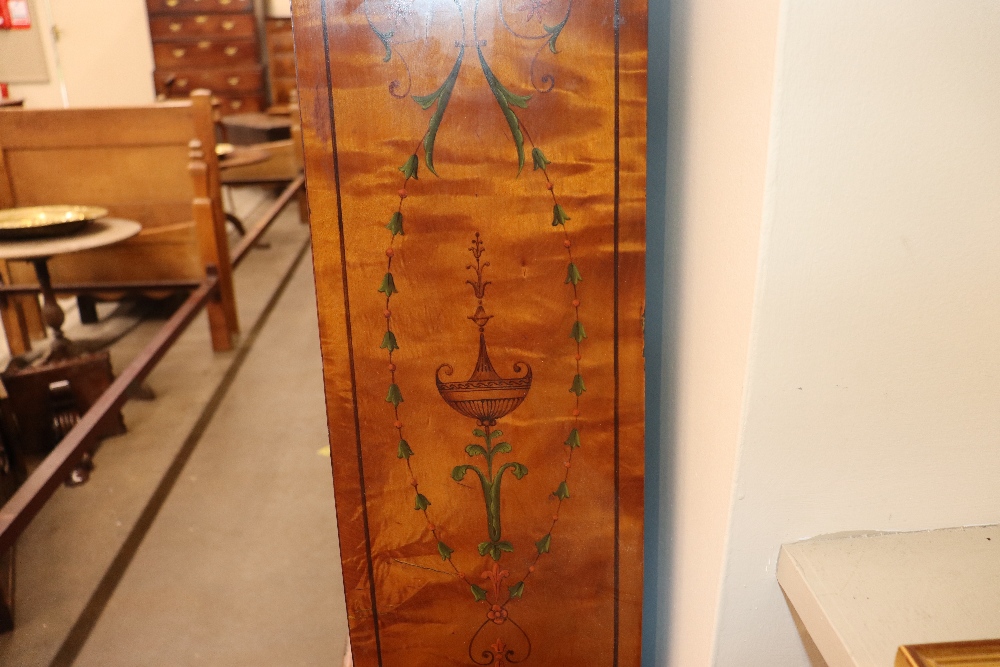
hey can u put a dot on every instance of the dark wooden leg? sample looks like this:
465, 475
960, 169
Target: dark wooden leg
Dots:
7, 591
51, 312
88, 309
237, 223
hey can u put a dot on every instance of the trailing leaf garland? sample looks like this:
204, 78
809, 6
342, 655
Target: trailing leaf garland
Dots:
507, 102
390, 343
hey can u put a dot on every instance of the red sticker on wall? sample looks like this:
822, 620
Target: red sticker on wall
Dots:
20, 18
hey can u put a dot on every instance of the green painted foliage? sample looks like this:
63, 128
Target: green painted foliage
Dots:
517, 590
404, 451
409, 167
421, 502
506, 100
389, 341
562, 493
544, 544
458, 472
440, 98
573, 441
554, 32
573, 274
395, 396
501, 448
478, 592
578, 333
539, 160
475, 450
445, 551
519, 470
386, 39
395, 223
578, 386
388, 286
559, 216
495, 549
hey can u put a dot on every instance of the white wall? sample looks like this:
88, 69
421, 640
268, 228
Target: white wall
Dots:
873, 382
720, 81
104, 50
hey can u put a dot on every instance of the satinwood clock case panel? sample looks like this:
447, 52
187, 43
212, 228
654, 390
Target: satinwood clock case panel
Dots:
210, 44
477, 203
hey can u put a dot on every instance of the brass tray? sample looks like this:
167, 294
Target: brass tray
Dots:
44, 221
222, 150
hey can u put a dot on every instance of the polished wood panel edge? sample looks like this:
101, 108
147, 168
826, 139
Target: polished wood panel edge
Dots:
48, 128
314, 98
18, 512
979, 653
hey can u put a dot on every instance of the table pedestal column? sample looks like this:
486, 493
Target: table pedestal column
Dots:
52, 313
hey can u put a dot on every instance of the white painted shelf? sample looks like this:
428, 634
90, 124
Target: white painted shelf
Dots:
861, 596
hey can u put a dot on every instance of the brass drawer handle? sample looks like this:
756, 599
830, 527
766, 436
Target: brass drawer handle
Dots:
201, 19
228, 25
231, 50
182, 83
233, 80
179, 53
224, 2
174, 27
172, 3
204, 44
236, 104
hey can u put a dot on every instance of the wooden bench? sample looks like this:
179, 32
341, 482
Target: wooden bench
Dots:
138, 163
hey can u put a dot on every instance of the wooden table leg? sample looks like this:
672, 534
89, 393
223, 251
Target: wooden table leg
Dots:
87, 306
51, 312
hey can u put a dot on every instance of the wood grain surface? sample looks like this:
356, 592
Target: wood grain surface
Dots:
426, 123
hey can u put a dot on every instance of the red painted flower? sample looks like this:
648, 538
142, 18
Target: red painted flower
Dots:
499, 649
497, 614
496, 577
535, 8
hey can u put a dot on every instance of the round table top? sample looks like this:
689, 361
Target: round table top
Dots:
243, 156
96, 234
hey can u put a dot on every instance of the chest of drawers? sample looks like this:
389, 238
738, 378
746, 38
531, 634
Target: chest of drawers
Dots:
209, 44
281, 57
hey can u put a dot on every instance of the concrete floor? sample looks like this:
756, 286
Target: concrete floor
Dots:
207, 534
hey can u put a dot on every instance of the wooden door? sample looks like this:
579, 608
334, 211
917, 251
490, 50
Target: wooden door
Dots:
476, 177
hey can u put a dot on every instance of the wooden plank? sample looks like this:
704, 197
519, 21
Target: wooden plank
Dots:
212, 235
101, 176
83, 288
6, 192
164, 124
18, 512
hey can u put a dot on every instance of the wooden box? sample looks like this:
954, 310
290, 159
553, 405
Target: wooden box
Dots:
88, 376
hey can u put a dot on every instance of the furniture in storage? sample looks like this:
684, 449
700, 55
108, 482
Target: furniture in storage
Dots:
210, 44
281, 60
284, 163
155, 165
